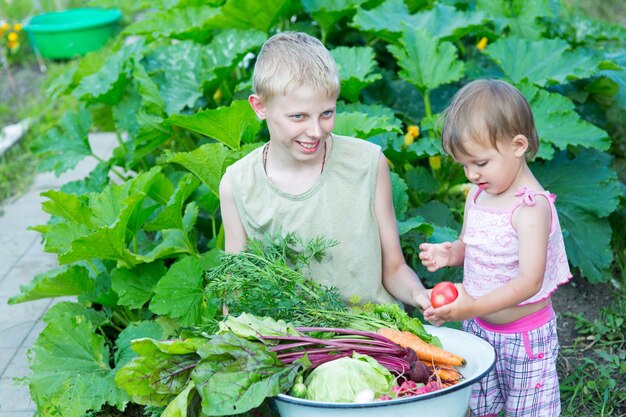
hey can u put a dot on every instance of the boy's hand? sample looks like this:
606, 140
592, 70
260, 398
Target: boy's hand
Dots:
435, 255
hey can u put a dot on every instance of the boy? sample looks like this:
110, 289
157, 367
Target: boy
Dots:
313, 183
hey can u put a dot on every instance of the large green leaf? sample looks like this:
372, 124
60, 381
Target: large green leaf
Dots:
67, 206
384, 19
180, 293
558, 123
171, 216
246, 14
426, 62
456, 22
542, 62
135, 286
179, 23
519, 16
236, 375
156, 376
583, 207
137, 330
207, 163
179, 72
63, 281
108, 83
362, 125
61, 149
355, 69
107, 242
70, 372
328, 13
229, 125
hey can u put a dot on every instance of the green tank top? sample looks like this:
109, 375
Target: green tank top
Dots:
339, 206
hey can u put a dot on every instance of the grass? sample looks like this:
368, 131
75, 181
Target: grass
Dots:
595, 364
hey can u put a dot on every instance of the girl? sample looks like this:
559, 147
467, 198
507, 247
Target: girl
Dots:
511, 248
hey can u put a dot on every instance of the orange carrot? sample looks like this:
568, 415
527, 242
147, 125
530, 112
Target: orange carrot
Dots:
427, 353
445, 373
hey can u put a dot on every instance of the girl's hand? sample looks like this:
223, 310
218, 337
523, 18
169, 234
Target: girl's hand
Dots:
435, 255
460, 309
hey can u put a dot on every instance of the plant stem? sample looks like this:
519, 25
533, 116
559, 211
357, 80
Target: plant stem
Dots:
427, 106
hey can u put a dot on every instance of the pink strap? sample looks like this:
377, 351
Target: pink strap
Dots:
528, 196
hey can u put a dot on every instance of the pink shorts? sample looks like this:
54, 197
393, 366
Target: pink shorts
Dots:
524, 381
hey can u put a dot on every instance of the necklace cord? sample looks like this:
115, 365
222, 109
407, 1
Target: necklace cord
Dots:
267, 147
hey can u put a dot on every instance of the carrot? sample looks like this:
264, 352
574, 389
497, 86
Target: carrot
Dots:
445, 373
428, 353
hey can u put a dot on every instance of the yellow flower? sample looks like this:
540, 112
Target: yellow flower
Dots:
434, 162
482, 43
408, 139
17, 27
5, 26
413, 131
12, 37
13, 45
217, 96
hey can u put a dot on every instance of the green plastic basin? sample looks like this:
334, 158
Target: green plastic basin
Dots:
71, 33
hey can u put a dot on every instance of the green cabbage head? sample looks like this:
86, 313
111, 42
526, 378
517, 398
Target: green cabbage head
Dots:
342, 379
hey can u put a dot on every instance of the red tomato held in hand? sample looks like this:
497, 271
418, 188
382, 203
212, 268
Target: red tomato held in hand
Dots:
443, 293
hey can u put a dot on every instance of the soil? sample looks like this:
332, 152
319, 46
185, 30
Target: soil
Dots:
578, 297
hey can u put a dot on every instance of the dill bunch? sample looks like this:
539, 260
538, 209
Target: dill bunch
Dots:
266, 279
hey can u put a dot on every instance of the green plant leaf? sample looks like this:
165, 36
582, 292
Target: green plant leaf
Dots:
67, 206
61, 149
236, 375
456, 22
73, 309
383, 19
229, 125
399, 195
355, 69
413, 223
177, 23
107, 85
70, 372
155, 376
135, 286
362, 125
58, 282
543, 62
246, 14
558, 123
107, 242
328, 14
180, 293
179, 72
519, 16
583, 207
426, 62
179, 406
138, 330
171, 216
208, 163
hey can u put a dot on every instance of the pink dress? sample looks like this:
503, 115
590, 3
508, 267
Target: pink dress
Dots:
491, 248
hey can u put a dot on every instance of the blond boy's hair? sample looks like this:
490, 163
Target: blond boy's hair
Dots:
290, 60
491, 110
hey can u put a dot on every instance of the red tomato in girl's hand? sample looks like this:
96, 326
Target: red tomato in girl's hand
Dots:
443, 293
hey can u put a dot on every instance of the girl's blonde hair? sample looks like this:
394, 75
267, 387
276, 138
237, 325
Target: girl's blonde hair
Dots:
290, 60
490, 110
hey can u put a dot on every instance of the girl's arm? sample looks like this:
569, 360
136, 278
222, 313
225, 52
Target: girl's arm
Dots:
532, 224
235, 237
398, 278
